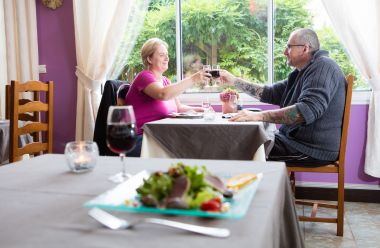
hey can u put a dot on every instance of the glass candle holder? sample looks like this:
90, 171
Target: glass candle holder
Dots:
81, 156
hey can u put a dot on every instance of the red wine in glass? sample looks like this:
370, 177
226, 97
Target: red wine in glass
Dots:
121, 138
121, 135
214, 73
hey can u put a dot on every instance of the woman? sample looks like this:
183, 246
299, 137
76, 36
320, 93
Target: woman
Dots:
151, 94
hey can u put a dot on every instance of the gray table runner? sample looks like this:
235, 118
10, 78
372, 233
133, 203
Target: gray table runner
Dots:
220, 140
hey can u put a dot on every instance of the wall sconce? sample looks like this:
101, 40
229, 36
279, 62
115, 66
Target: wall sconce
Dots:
52, 4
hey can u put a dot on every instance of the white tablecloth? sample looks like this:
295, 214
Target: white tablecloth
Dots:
42, 206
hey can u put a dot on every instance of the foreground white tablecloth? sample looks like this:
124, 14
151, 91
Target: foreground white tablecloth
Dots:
41, 206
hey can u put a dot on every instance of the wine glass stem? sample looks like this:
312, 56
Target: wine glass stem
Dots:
124, 169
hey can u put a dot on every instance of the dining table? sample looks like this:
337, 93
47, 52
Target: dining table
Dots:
42, 205
4, 141
197, 138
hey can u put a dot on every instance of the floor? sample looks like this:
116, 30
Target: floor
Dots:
361, 227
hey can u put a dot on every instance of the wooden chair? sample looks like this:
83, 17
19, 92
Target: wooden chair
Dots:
25, 116
337, 167
26, 111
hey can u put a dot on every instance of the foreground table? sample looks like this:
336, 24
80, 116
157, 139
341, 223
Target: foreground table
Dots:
41, 206
200, 139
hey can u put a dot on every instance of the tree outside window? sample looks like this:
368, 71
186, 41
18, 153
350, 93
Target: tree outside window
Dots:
233, 34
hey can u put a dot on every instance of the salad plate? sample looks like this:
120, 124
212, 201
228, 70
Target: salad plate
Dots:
124, 197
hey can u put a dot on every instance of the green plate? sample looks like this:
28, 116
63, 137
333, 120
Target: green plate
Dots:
115, 199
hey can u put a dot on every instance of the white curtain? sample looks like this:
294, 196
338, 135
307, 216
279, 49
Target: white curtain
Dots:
357, 23
134, 25
18, 44
99, 30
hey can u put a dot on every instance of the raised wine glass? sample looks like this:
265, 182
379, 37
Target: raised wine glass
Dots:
121, 136
215, 73
207, 68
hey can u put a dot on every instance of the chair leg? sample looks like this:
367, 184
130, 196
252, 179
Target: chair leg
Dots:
292, 182
339, 207
314, 210
340, 213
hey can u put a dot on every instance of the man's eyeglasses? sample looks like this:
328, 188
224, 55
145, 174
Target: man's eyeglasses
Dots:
288, 46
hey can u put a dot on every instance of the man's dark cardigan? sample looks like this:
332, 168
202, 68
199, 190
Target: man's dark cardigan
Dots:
319, 92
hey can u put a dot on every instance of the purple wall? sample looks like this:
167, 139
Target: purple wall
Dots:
57, 51
56, 48
355, 153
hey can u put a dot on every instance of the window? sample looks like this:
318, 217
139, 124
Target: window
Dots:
290, 14
234, 34
229, 33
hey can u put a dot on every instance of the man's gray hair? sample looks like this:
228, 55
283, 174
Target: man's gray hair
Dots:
308, 37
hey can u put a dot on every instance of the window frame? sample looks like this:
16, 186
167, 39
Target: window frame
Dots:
359, 96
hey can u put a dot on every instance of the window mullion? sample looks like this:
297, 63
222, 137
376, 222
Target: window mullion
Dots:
178, 35
270, 41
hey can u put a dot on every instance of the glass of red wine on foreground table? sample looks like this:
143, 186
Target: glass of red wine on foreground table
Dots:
121, 136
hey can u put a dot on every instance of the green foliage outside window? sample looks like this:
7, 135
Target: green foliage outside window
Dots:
240, 37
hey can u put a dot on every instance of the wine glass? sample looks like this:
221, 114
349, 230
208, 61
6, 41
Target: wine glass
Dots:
215, 73
206, 103
207, 68
121, 135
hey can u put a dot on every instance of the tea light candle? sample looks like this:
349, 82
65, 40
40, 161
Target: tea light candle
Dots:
81, 161
81, 156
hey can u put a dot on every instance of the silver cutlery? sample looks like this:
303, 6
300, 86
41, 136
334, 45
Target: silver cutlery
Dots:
115, 223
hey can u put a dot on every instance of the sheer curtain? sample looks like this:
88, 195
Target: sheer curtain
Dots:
134, 25
18, 44
357, 23
99, 29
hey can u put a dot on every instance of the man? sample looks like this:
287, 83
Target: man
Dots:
311, 103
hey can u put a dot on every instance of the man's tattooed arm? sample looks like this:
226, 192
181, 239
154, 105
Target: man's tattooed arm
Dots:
287, 115
252, 89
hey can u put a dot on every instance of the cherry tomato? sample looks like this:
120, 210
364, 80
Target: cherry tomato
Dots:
212, 205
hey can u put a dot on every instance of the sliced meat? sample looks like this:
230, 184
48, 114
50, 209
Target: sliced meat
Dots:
218, 185
149, 201
177, 196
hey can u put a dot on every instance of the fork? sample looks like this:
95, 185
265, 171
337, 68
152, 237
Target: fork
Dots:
115, 223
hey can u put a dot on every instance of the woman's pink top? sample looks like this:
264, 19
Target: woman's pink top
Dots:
145, 107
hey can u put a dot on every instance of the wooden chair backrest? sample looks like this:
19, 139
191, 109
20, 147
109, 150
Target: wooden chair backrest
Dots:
25, 116
29, 111
346, 119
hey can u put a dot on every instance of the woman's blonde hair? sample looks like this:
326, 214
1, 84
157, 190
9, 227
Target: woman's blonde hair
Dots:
149, 47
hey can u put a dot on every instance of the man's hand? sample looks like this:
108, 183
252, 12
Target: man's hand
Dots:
227, 78
288, 115
200, 77
252, 89
246, 115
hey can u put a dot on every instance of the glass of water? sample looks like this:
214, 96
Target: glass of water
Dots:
209, 113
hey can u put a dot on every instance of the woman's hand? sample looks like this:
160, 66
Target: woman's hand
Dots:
200, 77
246, 115
227, 78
